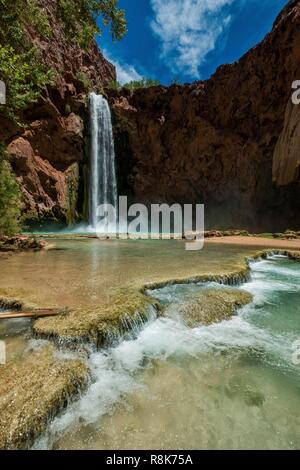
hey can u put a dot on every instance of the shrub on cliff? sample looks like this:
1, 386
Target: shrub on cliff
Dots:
143, 83
134, 84
9, 198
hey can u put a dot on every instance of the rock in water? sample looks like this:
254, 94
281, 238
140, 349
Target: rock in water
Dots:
213, 306
33, 390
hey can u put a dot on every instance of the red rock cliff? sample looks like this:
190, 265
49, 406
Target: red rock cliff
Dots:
48, 156
229, 142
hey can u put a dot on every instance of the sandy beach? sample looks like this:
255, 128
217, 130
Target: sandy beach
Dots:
256, 241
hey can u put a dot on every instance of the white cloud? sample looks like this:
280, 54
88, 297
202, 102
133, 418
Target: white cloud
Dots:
189, 30
125, 72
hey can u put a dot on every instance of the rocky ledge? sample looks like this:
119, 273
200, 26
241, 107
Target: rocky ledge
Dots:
98, 325
21, 243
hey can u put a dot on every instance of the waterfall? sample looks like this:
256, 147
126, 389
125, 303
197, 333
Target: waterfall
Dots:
103, 181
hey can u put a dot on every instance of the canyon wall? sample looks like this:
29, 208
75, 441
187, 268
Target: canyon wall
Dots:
231, 142
48, 154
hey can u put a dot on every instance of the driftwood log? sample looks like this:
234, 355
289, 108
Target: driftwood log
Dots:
39, 313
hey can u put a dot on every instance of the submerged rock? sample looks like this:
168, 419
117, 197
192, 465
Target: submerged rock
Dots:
32, 390
236, 389
213, 306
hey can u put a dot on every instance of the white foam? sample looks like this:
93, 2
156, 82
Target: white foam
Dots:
269, 266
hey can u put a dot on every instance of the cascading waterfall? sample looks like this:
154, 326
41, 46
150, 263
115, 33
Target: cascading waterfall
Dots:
103, 181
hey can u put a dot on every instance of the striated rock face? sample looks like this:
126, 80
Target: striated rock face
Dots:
217, 141
286, 164
48, 155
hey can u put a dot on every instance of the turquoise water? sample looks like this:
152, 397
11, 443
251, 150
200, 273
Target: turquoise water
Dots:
276, 287
233, 385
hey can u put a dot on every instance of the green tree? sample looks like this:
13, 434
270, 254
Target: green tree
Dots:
10, 198
81, 19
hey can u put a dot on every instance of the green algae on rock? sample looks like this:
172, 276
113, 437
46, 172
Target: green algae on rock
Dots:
98, 324
235, 278
213, 306
292, 255
9, 304
32, 390
12, 299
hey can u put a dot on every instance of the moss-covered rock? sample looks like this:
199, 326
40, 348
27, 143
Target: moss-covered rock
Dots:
98, 324
213, 306
293, 255
32, 390
10, 304
234, 278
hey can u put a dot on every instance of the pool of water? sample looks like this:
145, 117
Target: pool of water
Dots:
233, 385
87, 272
79, 272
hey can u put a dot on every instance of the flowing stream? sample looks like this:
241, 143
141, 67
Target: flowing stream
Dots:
103, 182
233, 385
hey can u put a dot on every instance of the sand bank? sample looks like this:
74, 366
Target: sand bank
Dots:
255, 242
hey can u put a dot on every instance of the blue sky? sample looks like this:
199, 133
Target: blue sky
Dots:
186, 40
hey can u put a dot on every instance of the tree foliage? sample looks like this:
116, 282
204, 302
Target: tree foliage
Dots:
24, 77
81, 18
10, 198
135, 84
20, 68
143, 83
